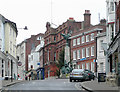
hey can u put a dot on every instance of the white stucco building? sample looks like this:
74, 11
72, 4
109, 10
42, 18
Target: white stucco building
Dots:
34, 57
110, 19
8, 61
2, 34
21, 50
101, 59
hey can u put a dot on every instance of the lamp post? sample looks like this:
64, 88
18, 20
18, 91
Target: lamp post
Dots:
25, 28
19, 58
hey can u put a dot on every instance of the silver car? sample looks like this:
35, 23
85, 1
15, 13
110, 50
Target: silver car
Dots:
78, 74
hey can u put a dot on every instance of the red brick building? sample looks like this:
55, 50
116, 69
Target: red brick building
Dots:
83, 43
31, 43
54, 43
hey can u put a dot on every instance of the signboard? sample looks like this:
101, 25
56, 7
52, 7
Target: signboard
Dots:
19, 63
82, 59
38, 63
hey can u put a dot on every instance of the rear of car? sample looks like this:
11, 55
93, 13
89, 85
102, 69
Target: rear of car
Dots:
78, 74
90, 73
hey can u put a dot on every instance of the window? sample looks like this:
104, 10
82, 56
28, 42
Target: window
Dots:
83, 53
74, 55
111, 6
83, 66
92, 51
87, 38
83, 39
54, 39
112, 30
10, 31
101, 41
78, 54
92, 36
87, 66
78, 41
54, 56
87, 52
92, 66
0, 44
74, 42
48, 54
78, 66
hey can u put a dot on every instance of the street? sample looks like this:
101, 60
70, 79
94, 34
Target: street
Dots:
48, 84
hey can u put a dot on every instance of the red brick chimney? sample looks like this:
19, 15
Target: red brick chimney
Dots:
87, 19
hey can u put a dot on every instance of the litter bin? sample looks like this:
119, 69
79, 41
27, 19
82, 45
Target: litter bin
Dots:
101, 77
6, 78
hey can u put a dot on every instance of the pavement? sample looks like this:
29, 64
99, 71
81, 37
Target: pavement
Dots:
95, 86
91, 86
6, 83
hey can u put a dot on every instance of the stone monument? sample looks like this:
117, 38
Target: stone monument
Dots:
66, 69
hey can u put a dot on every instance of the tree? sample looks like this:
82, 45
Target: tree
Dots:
60, 62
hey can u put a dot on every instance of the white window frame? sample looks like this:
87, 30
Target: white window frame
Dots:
92, 51
92, 36
87, 52
92, 66
88, 66
83, 39
74, 42
78, 41
78, 54
83, 52
78, 66
101, 48
83, 66
74, 55
87, 38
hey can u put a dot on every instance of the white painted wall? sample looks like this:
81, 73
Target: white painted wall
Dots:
100, 55
2, 36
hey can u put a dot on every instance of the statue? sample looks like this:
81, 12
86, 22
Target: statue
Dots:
66, 68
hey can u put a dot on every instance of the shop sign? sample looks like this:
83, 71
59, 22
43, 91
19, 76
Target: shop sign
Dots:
82, 59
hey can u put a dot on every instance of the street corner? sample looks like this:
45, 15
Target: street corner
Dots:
85, 86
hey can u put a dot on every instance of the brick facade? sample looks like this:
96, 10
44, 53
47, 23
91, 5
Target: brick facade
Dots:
54, 43
31, 43
78, 47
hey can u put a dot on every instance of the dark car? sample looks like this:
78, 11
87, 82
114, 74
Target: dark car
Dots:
90, 73
78, 74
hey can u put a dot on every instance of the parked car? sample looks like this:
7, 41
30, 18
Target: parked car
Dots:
90, 73
78, 74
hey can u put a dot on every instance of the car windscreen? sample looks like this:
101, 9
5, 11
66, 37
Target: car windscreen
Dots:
77, 71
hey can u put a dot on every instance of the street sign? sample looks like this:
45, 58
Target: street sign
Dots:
38, 63
19, 63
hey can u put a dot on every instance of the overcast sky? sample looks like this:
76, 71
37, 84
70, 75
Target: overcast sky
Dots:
35, 13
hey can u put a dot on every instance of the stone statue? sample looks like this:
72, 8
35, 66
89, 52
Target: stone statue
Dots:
66, 68
66, 37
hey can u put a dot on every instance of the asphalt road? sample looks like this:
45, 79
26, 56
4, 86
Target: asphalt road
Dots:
46, 85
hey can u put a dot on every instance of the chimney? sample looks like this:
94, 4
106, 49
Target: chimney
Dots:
87, 19
71, 19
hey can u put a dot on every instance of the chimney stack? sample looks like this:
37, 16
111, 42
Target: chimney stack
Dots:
87, 19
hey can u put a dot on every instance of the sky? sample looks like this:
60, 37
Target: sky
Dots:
35, 13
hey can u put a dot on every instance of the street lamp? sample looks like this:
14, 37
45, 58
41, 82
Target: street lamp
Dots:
25, 28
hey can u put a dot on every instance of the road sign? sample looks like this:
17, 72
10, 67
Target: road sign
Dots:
38, 63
